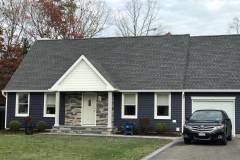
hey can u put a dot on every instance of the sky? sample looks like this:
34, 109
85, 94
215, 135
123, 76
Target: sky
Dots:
195, 17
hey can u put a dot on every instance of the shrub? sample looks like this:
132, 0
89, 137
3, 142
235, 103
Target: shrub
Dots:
14, 125
136, 131
160, 127
144, 124
41, 126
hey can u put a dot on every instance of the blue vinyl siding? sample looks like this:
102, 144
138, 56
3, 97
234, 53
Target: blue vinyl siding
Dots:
62, 109
146, 110
188, 103
35, 110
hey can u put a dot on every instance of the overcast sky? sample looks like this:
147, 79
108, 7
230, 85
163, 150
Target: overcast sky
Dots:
195, 17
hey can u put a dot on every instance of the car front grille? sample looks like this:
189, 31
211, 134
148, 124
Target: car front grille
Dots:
203, 128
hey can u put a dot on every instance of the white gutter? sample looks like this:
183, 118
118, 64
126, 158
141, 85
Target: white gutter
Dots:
26, 91
144, 90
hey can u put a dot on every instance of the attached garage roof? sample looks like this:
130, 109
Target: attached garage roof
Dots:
171, 62
213, 63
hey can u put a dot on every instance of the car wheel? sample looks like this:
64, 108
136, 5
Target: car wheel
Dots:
187, 141
230, 137
224, 140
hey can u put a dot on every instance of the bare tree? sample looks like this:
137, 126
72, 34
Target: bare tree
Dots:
141, 17
92, 16
234, 26
44, 18
66, 19
12, 19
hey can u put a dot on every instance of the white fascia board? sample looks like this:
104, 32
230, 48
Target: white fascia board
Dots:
211, 90
80, 90
114, 89
82, 57
187, 90
25, 91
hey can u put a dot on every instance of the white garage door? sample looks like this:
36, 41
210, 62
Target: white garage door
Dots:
222, 103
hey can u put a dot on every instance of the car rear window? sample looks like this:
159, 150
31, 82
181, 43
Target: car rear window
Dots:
207, 116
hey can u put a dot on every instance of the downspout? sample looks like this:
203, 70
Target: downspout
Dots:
4, 94
6, 97
183, 109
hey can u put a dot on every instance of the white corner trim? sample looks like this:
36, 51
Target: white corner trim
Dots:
57, 109
45, 107
183, 110
5, 124
82, 58
17, 105
123, 116
155, 107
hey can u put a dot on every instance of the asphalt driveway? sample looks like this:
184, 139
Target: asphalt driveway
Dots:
203, 151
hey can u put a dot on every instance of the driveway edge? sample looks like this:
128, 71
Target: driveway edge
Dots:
153, 154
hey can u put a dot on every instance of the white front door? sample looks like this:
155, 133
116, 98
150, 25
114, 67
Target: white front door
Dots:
219, 103
89, 109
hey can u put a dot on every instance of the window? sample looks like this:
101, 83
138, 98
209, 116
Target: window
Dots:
22, 105
49, 104
162, 106
89, 102
129, 105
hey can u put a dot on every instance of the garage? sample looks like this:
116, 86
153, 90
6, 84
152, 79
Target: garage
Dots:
222, 103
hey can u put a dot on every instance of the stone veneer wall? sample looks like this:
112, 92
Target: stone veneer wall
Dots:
102, 108
73, 106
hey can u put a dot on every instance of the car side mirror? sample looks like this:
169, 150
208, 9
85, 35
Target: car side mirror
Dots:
187, 118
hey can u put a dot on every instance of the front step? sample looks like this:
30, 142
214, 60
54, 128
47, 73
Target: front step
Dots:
82, 130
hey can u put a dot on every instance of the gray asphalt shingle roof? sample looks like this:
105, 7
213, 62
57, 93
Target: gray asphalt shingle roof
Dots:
214, 63
137, 63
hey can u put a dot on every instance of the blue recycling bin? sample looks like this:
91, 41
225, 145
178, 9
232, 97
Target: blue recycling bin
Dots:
128, 128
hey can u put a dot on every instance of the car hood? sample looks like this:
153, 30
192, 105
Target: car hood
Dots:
205, 123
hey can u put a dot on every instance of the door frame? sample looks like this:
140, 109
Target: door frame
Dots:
231, 99
82, 110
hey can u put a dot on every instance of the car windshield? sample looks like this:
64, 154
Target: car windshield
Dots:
206, 116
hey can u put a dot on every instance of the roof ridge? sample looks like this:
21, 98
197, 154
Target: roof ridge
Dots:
117, 37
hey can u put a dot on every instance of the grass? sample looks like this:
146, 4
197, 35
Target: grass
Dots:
50, 147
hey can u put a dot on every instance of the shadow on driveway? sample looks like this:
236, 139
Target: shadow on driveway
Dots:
202, 151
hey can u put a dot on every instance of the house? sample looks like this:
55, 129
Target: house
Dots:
102, 83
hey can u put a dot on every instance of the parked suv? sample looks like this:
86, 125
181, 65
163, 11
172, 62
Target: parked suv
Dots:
208, 125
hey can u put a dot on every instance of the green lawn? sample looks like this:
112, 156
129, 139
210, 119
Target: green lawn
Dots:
51, 147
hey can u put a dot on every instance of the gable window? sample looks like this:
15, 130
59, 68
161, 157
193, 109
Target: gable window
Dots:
49, 104
162, 106
129, 105
22, 104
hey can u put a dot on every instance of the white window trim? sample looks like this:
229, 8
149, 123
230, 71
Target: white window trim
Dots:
123, 116
17, 106
45, 106
155, 107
